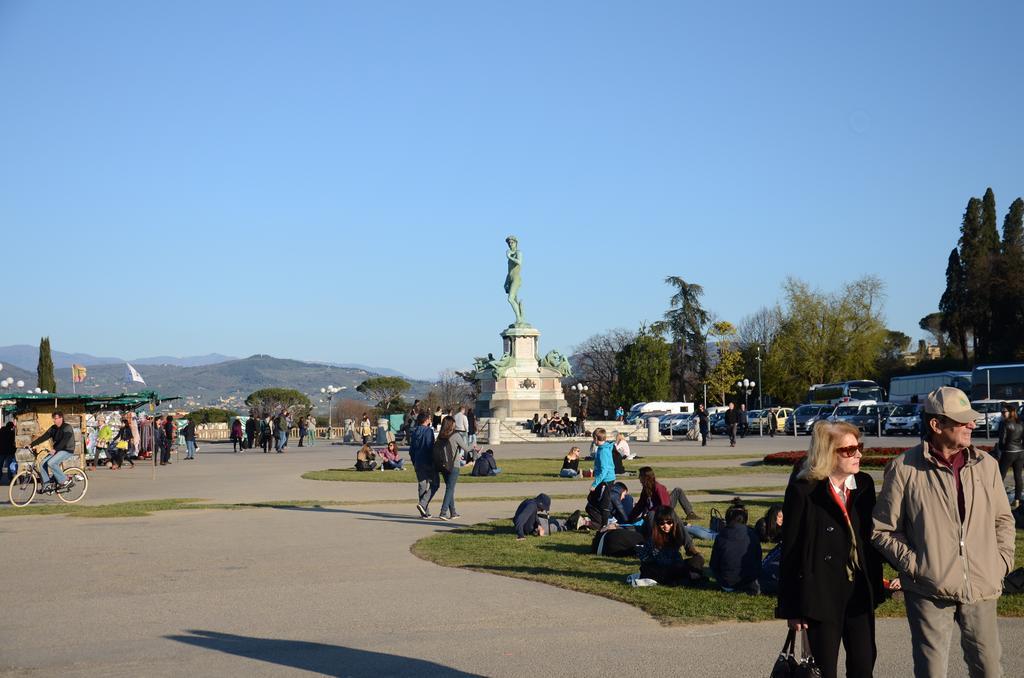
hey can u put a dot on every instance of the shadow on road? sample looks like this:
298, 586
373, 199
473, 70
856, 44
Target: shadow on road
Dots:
367, 515
328, 660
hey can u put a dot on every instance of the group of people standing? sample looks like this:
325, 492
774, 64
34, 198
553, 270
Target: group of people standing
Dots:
270, 432
440, 455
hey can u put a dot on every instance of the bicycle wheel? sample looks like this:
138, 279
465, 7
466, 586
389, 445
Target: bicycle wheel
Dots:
23, 488
78, 487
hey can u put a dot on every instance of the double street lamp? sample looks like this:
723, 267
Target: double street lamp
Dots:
330, 391
580, 390
746, 387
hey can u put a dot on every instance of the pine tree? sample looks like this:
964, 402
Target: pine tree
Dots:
1008, 311
643, 366
44, 370
951, 305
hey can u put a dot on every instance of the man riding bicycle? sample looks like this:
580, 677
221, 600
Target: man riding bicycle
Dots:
63, 437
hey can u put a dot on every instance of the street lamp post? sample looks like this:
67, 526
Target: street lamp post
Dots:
746, 387
330, 391
580, 390
760, 394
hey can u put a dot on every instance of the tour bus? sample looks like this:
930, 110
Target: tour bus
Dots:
998, 382
857, 389
916, 387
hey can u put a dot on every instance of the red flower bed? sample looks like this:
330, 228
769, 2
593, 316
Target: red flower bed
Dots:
876, 457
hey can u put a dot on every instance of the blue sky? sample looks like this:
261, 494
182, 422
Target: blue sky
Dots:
334, 180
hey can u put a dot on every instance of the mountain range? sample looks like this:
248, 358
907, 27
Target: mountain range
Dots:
222, 384
26, 357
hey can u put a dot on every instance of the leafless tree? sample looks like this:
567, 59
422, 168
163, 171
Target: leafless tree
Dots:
759, 328
450, 391
593, 362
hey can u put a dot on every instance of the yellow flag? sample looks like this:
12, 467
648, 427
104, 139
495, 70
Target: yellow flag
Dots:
78, 373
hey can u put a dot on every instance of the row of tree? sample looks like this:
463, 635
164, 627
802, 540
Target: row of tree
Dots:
810, 337
981, 311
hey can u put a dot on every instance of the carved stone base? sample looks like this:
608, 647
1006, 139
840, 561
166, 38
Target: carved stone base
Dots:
525, 388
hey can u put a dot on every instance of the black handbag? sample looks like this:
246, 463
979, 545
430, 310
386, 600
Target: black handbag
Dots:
786, 665
716, 522
807, 668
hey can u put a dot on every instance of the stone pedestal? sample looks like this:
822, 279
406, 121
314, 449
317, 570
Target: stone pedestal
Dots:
523, 386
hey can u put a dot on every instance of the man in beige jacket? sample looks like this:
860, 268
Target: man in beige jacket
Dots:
943, 521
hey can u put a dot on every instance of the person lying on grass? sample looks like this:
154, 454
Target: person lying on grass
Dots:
660, 556
571, 464
532, 518
655, 495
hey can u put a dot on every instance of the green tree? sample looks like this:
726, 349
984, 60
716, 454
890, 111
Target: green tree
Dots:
643, 367
386, 392
825, 338
932, 324
1008, 311
728, 367
271, 401
953, 304
979, 252
686, 322
212, 415
44, 369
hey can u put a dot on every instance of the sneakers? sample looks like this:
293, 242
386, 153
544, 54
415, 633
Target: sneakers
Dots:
444, 518
48, 488
66, 484
423, 511
454, 516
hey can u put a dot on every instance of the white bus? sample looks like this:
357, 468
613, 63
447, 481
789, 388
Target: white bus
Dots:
833, 394
916, 387
998, 382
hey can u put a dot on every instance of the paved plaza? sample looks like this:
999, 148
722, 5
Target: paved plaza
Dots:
335, 591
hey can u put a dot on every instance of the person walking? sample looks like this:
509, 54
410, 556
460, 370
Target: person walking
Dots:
830, 581
732, 420
702, 424
1011, 451
421, 452
302, 431
281, 432
773, 422
744, 421
170, 437
251, 430
448, 448
189, 434
365, 429
944, 521
8, 451
237, 441
310, 430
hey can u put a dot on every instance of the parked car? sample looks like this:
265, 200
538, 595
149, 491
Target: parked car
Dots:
866, 417
716, 424
754, 419
904, 420
994, 410
805, 416
675, 424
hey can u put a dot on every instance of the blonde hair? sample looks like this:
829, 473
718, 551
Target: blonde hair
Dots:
821, 455
619, 436
574, 449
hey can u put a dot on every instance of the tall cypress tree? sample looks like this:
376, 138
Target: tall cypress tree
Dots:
979, 252
1008, 312
952, 304
44, 369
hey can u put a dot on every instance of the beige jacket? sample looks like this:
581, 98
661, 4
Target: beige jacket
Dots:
918, 528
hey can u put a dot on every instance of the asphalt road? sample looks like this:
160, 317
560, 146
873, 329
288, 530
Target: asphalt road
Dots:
331, 591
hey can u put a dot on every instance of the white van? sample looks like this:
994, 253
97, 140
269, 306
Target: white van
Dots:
643, 410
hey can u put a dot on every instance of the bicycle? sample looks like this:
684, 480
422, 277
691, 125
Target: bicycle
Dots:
26, 482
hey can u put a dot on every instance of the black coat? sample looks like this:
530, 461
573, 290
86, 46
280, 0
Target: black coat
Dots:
815, 550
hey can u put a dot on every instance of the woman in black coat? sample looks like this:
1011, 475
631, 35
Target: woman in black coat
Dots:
831, 577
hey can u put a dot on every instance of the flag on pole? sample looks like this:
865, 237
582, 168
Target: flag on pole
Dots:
132, 375
78, 373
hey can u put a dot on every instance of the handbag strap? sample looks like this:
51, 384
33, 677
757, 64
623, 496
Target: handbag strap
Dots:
789, 647
805, 648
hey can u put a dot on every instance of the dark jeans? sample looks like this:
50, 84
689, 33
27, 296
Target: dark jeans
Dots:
428, 481
448, 505
1013, 460
703, 437
236, 444
165, 452
673, 575
856, 630
732, 434
677, 496
302, 436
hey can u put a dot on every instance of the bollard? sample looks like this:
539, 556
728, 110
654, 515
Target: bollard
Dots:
383, 425
652, 430
494, 431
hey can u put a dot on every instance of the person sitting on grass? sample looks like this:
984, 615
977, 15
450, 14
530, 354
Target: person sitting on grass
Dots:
736, 555
655, 495
365, 459
485, 465
608, 501
532, 518
622, 447
769, 528
571, 464
660, 557
390, 459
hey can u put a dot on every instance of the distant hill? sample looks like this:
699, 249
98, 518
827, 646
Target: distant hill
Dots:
383, 371
26, 357
226, 384
15, 372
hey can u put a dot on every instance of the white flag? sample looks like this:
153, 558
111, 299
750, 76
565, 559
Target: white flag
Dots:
132, 375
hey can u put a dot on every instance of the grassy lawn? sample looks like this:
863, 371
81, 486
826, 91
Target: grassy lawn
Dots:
533, 470
564, 560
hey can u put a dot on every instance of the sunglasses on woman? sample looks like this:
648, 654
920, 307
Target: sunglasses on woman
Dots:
850, 450
666, 522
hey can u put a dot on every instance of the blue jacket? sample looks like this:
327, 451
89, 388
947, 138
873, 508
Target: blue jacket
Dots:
525, 520
421, 446
604, 466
